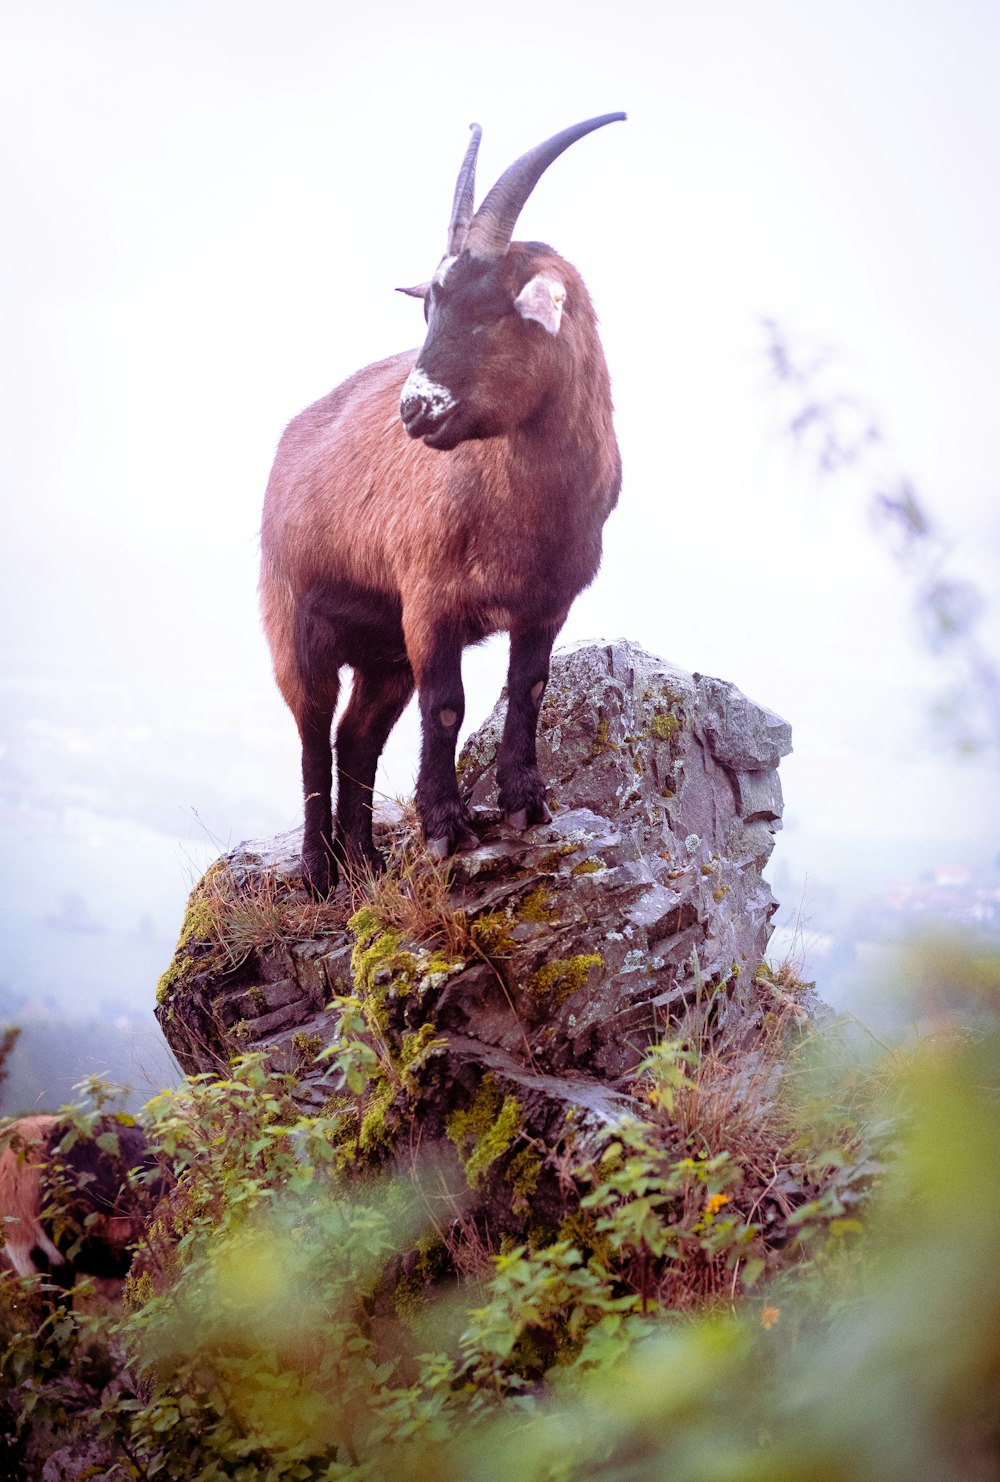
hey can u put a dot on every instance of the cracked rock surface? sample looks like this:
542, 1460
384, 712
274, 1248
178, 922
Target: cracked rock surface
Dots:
587, 937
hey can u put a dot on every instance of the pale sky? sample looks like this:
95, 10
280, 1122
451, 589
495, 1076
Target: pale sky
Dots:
206, 206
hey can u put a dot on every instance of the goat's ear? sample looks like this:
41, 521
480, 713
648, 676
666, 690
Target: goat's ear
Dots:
419, 290
542, 299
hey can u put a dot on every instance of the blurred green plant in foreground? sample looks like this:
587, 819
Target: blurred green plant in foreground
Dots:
277, 1329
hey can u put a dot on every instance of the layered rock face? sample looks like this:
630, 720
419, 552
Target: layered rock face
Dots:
570, 948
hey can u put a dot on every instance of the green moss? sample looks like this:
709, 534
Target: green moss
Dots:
720, 892
378, 966
138, 1291
167, 982
308, 1045
485, 1130
375, 1136
409, 1298
491, 932
523, 1174
580, 1228
558, 980
430, 970
364, 924
589, 867
201, 925
413, 1052
537, 906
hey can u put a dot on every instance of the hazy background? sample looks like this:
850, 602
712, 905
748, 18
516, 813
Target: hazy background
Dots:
205, 208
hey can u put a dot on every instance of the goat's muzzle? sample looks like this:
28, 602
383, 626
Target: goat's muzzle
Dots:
426, 408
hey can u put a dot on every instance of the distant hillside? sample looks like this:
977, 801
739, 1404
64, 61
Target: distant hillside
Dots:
54, 1053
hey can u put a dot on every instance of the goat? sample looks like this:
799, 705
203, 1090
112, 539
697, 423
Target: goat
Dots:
432, 499
71, 1212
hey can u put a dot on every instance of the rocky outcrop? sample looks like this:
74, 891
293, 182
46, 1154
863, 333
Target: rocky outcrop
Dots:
537, 969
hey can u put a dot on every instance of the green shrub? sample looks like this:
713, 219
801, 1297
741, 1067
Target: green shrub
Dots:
767, 1275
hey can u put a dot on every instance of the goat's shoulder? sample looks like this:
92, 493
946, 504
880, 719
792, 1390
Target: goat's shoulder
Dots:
358, 396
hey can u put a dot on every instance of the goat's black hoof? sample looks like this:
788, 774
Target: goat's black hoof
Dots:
320, 876
524, 818
445, 844
358, 862
450, 835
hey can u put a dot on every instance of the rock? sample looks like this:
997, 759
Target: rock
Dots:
535, 969
88, 1459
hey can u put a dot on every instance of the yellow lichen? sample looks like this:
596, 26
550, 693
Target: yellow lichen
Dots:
664, 727
558, 980
602, 741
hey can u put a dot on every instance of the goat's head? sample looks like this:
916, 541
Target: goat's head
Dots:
494, 309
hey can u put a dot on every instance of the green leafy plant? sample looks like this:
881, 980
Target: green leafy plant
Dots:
293, 1316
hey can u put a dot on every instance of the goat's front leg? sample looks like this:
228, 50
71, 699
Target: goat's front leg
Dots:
436, 656
519, 782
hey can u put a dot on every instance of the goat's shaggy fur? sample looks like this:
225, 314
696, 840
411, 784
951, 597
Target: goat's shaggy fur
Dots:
389, 545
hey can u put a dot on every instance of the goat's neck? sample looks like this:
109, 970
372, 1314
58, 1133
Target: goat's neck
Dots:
555, 454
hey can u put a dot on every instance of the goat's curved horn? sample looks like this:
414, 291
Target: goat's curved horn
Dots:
493, 225
465, 195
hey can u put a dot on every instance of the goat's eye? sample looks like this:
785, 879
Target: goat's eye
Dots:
491, 317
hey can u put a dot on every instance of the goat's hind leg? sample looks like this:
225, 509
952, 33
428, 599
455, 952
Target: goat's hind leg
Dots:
319, 869
378, 698
437, 663
519, 783
313, 699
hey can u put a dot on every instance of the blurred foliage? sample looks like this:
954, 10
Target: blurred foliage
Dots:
841, 433
283, 1322
8, 1039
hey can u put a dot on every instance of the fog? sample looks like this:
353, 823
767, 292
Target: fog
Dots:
206, 209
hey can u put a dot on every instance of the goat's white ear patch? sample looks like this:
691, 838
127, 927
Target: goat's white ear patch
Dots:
542, 299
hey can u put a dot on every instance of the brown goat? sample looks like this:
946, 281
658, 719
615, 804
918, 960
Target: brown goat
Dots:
432, 499
85, 1181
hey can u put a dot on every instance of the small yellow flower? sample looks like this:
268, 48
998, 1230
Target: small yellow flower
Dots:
770, 1317
713, 1205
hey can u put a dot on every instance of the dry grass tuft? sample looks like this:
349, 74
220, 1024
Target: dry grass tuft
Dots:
250, 912
730, 1102
413, 896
